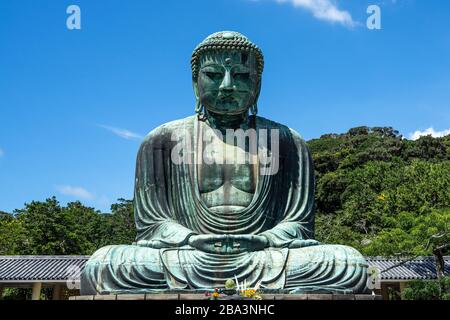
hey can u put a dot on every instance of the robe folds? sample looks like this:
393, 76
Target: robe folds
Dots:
169, 209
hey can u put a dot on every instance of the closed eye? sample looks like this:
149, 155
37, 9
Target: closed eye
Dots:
213, 75
241, 76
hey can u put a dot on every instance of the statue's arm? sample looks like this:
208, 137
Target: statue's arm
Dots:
296, 227
167, 234
156, 224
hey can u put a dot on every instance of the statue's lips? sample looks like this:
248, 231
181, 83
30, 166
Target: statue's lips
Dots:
226, 100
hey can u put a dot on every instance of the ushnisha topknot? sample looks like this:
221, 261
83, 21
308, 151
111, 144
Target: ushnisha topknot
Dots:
226, 40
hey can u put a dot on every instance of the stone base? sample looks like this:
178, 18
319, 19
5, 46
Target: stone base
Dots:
196, 296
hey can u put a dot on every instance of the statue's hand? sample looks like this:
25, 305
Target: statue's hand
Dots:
303, 243
228, 244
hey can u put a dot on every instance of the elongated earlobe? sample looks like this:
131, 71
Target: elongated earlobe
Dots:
254, 109
198, 106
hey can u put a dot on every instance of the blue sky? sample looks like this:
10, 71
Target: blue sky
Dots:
74, 104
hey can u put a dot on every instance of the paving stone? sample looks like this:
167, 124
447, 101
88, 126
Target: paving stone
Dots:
367, 297
105, 297
192, 296
162, 296
343, 297
316, 296
294, 296
131, 297
84, 298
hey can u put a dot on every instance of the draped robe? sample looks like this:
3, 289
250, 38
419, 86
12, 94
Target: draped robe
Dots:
169, 209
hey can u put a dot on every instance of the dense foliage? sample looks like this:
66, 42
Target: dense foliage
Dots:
382, 194
47, 228
428, 290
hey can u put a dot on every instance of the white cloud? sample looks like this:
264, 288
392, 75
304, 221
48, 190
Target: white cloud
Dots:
80, 193
77, 192
326, 10
123, 133
2, 153
429, 132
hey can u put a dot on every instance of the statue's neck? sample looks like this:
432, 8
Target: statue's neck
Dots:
223, 122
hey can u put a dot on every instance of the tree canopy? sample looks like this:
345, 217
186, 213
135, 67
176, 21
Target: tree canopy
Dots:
48, 228
381, 193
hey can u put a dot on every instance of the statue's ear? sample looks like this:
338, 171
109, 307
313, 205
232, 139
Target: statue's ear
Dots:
198, 104
195, 86
258, 90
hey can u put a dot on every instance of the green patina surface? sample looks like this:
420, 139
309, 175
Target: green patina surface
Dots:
201, 222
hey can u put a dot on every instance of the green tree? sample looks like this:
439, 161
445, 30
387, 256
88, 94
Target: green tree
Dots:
428, 290
381, 193
122, 222
12, 235
55, 230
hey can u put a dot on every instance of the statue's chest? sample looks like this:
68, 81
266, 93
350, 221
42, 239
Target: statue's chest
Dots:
227, 167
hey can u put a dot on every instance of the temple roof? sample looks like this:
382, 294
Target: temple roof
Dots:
421, 268
61, 268
40, 268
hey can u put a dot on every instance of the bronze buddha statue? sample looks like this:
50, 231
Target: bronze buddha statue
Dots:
209, 207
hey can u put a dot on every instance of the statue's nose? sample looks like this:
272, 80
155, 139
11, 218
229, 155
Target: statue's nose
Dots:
227, 83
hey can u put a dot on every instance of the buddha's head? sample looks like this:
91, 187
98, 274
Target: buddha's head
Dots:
226, 73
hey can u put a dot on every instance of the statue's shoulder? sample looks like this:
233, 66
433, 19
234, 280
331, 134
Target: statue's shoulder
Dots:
299, 142
164, 132
287, 132
298, 139
265, 123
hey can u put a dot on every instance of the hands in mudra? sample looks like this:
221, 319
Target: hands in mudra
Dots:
220, 244
227, 243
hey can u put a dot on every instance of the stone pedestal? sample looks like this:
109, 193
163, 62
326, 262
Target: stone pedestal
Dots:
196, 296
